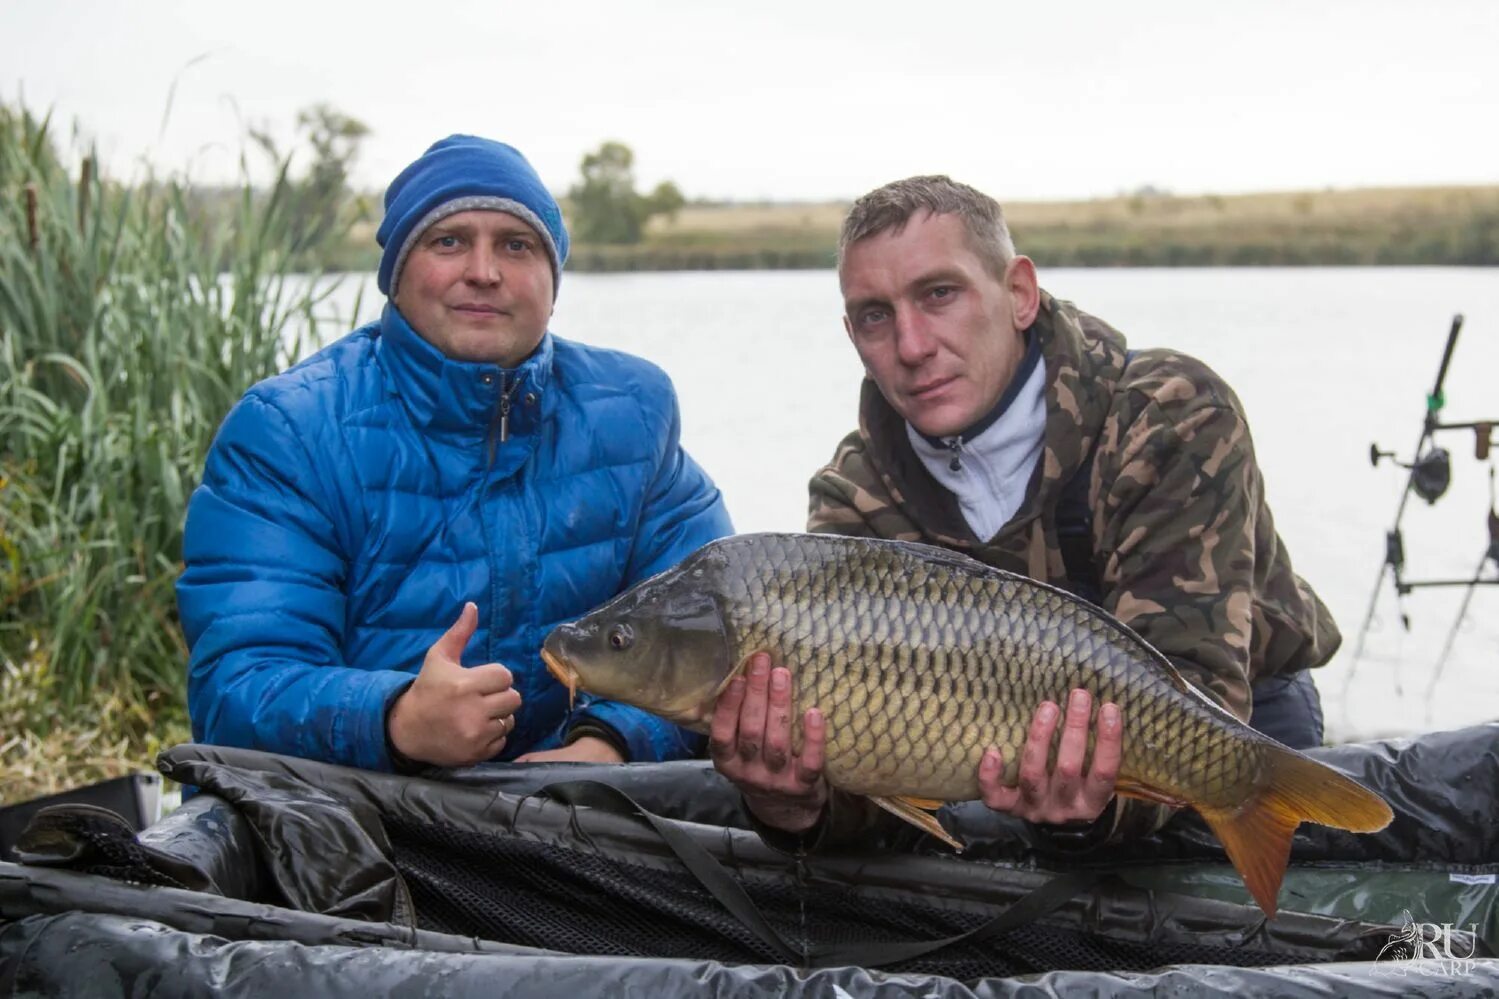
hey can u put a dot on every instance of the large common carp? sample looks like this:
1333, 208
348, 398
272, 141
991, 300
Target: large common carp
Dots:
920, 658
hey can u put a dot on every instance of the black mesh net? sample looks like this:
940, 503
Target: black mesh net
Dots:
104, 845
526, 892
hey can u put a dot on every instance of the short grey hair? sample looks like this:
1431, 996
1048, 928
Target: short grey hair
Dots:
892, 206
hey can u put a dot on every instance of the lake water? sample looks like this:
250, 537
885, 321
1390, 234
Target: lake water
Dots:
1326, 360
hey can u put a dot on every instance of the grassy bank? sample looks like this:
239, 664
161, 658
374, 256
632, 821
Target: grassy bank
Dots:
123, 343
1447, 226
1404, 226
48, 744
1397, 226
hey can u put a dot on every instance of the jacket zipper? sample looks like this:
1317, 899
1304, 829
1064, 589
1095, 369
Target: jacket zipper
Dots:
501, 421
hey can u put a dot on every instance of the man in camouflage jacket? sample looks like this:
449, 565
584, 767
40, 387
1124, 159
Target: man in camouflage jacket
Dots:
1182, 539
1152, 446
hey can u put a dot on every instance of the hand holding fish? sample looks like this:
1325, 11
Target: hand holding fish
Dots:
1065, 793
750, 742
452, 715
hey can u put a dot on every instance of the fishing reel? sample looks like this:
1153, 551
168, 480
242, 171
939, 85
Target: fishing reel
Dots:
1431, 474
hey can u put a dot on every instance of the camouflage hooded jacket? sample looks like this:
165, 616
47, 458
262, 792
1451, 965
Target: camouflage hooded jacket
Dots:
1184, 545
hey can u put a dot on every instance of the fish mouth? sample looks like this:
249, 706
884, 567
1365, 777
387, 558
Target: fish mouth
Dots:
565, 674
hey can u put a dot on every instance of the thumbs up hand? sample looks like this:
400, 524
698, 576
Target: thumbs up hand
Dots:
452, 715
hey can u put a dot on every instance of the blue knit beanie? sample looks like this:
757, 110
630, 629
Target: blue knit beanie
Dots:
458, 174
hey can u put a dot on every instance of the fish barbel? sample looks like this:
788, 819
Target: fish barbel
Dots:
920, 658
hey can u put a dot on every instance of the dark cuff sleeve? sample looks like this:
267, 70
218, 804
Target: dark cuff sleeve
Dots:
599, 730
847, 819
401, 764
1121, 821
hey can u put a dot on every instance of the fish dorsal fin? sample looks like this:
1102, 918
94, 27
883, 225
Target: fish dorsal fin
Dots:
1180, 682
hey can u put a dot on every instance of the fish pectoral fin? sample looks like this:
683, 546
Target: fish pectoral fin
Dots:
1126, 788
737, 671
1292, 789
918, 812
925, 804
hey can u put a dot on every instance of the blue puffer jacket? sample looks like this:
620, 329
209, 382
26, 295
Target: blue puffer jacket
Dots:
351, 504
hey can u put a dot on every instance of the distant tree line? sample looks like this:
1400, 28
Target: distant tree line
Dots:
1469, 240
604, 204
617, 227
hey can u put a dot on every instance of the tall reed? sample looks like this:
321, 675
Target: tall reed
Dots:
131, 319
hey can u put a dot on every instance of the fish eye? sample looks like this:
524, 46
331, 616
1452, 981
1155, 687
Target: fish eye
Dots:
621, 637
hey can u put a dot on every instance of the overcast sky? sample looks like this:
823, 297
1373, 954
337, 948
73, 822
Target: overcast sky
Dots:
800, 100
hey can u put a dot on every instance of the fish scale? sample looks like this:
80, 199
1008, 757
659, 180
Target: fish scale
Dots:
920, 659
816, 613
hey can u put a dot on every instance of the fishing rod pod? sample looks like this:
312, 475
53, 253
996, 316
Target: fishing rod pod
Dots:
1430, 477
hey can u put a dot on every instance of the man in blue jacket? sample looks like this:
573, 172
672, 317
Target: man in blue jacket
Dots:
454, 459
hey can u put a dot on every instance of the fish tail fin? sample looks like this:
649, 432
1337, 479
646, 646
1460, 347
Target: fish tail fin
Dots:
1293, 789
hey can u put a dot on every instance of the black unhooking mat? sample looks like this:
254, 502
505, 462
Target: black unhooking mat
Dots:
532, 864
584, 902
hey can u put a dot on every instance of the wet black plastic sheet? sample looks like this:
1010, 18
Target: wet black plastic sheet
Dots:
1415, 777
1121, 912
261, 832
310, 837
27, 892
120, 956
